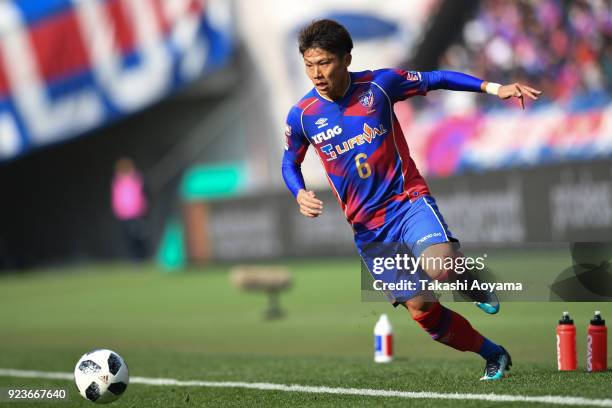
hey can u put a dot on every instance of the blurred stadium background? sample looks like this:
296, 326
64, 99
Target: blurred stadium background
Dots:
196, 92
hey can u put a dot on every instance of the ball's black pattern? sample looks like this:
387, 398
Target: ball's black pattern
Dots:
117, 388
92, 392
89, 367
114, 363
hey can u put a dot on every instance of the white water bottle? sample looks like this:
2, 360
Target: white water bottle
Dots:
383, 340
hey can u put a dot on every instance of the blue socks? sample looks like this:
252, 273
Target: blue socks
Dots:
489, 349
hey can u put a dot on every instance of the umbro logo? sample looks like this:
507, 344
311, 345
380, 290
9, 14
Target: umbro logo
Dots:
321, 122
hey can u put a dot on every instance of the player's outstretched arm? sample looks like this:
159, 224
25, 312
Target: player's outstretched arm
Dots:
515, 90
310, 205
458, 81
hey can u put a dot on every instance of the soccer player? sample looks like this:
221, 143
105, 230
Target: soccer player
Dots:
348, 119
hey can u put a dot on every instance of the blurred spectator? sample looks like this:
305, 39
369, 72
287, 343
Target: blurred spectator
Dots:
130, 206
561, 47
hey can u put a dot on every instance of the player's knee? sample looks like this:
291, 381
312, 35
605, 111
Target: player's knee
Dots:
439, 264
444, 271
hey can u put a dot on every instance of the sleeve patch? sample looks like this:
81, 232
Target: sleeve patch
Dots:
287, 136
413, 76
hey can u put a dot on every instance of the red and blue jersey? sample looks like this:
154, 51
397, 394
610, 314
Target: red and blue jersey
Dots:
360, 142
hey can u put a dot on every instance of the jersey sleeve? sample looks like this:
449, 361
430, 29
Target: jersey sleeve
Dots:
451, 80
296, 146
399, 84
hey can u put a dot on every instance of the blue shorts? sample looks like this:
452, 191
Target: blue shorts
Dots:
409, 230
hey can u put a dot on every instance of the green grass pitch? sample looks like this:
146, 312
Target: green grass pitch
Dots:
196, 326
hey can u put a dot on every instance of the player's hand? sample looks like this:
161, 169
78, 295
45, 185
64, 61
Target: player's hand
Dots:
519, 91
310, 205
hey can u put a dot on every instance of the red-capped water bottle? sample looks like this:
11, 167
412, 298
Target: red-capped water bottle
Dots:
566, 344
383, 340
597, 344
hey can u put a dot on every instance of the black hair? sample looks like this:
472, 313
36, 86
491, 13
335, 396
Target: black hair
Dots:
326, 34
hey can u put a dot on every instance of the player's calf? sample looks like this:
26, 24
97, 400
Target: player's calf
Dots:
444, 325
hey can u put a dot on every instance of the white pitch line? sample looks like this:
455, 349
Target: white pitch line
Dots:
543, 399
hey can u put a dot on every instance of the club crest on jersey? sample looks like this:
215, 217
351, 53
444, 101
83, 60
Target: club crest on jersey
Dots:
366, 99
321, 122
369, 134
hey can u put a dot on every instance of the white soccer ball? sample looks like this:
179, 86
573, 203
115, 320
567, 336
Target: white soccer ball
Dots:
101, 376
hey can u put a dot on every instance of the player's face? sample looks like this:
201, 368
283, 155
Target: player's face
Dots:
328, 72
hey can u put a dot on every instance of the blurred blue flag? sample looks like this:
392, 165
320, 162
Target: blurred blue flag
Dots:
67, 67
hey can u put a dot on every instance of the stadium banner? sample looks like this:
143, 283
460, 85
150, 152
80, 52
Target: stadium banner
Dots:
69, 66
564, 202
482, 142
501, 209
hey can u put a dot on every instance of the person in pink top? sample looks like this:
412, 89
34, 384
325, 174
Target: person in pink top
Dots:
130, 206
